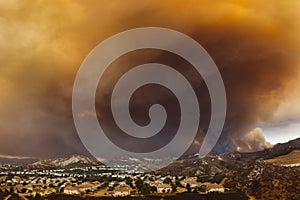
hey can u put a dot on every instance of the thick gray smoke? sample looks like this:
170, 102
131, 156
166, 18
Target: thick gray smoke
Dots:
42, 44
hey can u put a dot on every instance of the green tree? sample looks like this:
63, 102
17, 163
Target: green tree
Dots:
128, 181
139, 184
174, 188
167, 180
177, 183
145, 189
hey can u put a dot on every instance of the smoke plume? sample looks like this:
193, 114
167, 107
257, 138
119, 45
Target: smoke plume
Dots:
252, 141
255, 45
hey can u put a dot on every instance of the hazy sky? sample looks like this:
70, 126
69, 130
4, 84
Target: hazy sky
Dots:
255, 44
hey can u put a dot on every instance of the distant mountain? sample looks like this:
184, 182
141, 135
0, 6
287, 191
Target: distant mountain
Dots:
75, 160
136, 164
18, 161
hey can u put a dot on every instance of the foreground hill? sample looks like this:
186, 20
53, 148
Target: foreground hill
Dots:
291, 159
270, 174
211, 164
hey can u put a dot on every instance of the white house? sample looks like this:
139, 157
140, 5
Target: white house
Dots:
164, 188
71, 191
214, 188
192, 181
121, 191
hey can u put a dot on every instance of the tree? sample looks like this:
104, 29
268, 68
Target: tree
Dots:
139, 184
188, 188
218, 177
177, 182
202, 188
105, 185
38, 196
174, 188
145, 189
153, 189
23, 190
128, 181
167, 180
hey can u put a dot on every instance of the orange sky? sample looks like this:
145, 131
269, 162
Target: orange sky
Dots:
43, 43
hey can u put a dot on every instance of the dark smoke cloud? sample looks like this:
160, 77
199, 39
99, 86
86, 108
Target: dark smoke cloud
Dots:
255, 45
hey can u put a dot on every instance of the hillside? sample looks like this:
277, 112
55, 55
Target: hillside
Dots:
259, 174
75, 160
291, 159
211, 164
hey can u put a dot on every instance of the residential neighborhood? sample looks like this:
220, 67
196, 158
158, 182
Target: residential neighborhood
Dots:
88, 181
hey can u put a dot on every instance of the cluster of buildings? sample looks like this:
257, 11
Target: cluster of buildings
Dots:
76, 182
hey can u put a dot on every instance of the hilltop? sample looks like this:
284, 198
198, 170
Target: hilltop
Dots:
75, 160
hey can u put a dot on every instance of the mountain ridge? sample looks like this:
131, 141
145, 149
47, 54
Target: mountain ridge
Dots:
212, 164
75, 159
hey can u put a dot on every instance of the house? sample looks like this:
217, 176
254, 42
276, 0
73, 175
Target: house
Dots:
71, 191
155, 183
192, 181
122, 183
3, 179
121, 191
86, 187
47, 192
214, 188
112, 183
164, 188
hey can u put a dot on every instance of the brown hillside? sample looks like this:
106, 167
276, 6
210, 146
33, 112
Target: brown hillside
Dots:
289, 159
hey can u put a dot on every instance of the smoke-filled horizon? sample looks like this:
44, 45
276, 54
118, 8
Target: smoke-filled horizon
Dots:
255, 45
